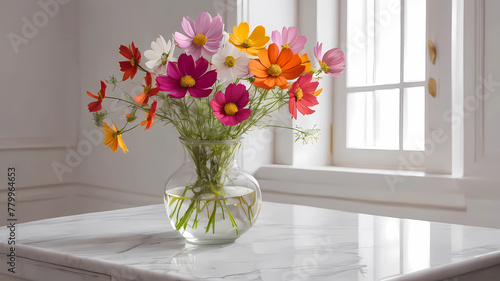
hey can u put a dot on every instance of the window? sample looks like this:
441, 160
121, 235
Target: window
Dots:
380, 104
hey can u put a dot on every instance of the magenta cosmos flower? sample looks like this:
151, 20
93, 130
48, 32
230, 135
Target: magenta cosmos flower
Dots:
203, 37
289, 39
187, 75
332, 63
228, 108
303, 95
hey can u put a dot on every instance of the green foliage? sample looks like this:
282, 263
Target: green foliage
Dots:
194, 119
99, 118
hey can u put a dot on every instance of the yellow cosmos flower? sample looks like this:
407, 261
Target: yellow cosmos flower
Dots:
249, 44
113, 138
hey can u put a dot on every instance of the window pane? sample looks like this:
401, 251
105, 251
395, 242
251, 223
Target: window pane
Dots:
373, 42
357, 46
414, 42
414, 119
387, 42
373, 119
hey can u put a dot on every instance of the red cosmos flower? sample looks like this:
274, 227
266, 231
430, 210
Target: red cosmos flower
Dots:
150, 117
148, 91
96, 105
303, 95
129, 67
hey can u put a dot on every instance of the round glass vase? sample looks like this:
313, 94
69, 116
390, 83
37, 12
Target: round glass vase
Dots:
209, 199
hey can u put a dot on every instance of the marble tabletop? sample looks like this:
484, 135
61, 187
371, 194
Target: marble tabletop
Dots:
288, 242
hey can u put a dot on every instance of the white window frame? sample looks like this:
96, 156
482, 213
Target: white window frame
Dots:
437, 155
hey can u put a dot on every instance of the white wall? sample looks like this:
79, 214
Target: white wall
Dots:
40, 95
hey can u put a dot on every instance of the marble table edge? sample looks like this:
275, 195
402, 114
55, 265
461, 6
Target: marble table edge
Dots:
86, 264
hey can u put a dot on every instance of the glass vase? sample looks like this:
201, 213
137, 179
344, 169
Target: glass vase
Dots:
209, 199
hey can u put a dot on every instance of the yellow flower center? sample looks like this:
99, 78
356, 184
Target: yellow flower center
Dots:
200, 40
298, 94
230, 108
100, 95
132, 61
247, 43
324, 67
147, 89
274, 70
285, 46
187, 81
230, 61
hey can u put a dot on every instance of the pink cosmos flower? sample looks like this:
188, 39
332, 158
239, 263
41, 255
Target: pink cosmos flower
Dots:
332, 63
228, 108
203, 38
187, 75
289, 39
303, 95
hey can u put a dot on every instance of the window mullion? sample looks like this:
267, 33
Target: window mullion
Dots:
401, 74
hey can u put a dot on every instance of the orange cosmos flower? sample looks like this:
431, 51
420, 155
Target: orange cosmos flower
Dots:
249, 44
150, 118
97, 105
129, 67
148, 91
274, 68
306, 62
113, 138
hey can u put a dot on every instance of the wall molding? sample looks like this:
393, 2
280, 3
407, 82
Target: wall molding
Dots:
72, 198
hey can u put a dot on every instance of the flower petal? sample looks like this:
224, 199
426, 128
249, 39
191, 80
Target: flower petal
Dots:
257, 33
188, 26
201, 67
318, 50
179, 93
258, 69
199, 93
274, 52
203, 23
207, 80
284, 57
264, 58
167, 83
243, 114
220, 98
294, 72
185, 64
241, 31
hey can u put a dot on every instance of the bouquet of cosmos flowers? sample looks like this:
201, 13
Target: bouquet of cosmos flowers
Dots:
221, 86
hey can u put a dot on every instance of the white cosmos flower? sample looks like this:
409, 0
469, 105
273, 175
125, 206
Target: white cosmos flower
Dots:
162, 52
230, 63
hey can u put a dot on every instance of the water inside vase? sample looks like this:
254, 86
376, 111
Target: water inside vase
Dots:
209, 219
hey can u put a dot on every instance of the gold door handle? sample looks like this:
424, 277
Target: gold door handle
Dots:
432, 51
432, 87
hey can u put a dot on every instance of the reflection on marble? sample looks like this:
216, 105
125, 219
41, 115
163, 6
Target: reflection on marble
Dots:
288, 242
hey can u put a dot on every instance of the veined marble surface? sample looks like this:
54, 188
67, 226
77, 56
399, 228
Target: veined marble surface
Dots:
288, 242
